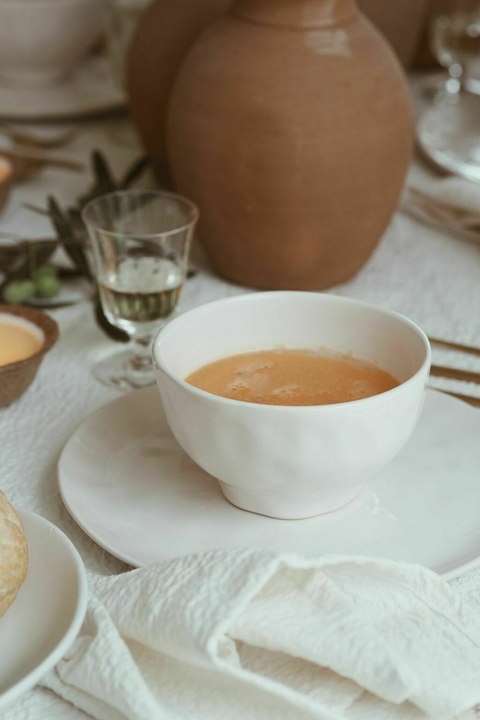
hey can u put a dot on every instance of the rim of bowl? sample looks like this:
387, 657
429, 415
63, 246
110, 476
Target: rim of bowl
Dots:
249, 297
41, 320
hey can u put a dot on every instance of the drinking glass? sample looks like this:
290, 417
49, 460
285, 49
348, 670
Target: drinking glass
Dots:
455, 42
141, 242
449, 130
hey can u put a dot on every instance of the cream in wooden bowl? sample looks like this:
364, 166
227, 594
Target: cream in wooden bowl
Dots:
6, 175
25, 336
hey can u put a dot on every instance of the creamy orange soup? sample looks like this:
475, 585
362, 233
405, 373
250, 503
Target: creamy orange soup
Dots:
16, 343
292, 377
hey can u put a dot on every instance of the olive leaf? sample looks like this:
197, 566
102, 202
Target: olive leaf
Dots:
105, 182
65, 232
134, 172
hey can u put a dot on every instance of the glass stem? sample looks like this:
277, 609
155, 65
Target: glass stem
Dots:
455, 83
140, 365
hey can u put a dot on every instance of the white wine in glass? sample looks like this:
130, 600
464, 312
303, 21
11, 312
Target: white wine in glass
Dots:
140, 292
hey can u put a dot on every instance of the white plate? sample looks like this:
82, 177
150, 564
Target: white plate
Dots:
129, 485
48, 612
88, 90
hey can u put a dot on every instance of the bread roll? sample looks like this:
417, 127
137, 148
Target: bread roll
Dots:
13, 554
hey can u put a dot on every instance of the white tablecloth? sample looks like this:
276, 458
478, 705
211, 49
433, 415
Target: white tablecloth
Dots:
432, 278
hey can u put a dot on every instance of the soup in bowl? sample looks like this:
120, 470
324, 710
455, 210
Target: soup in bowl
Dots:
281, 459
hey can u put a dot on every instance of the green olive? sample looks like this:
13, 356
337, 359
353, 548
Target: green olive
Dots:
47, 286
18, 291
45, 271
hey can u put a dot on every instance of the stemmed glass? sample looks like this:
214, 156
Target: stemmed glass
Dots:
449, 131
455, 42
141, 242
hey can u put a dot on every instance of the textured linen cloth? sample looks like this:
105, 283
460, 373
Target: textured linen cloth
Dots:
450, 203
429, 275
252, 634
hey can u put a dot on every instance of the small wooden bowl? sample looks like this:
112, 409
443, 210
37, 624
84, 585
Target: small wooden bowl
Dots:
16, 377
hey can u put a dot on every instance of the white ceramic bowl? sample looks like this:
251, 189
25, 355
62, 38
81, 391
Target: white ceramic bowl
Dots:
291, 462
42, 40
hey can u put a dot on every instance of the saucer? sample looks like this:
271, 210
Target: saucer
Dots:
450, 136
88, 90
129, 485
48, 612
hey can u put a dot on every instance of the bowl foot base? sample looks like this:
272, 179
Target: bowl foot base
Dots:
283, 506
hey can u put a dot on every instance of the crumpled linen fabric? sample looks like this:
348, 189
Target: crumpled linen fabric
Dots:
247, 634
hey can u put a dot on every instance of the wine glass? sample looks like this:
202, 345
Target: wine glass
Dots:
141, 242
455, 42
449, 131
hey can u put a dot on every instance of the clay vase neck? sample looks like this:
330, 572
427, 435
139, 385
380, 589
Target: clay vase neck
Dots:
301, 14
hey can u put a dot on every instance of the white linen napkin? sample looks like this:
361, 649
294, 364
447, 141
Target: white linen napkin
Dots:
450, 203
252, 635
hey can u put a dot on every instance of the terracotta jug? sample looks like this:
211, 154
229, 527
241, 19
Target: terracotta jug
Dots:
161, 41
290, 125
169, 27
